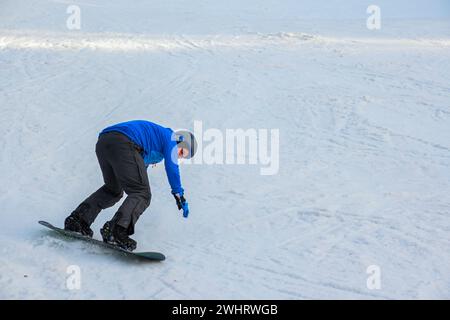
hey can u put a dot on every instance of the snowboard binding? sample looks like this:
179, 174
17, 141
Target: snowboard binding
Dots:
75, 223
118, 236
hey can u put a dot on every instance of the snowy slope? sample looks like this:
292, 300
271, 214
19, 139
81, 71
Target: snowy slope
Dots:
364, 119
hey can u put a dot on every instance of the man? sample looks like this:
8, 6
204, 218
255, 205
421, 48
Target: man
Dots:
124, 152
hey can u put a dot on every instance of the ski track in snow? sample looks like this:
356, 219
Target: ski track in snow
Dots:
364, 159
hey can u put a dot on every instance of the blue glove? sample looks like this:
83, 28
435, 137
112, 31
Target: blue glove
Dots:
185, 209
182, 203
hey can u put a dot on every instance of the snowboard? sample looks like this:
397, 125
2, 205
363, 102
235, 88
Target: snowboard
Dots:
149, 256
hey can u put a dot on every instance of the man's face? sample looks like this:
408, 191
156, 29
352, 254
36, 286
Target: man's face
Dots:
183, 153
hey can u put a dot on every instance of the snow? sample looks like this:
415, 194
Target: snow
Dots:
364, 120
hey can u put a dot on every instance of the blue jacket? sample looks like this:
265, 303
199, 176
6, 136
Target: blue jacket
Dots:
157, 143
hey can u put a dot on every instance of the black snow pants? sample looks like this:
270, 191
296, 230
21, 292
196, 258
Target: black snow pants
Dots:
123, 169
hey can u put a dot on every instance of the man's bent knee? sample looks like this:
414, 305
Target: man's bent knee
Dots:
114, 193
147, 197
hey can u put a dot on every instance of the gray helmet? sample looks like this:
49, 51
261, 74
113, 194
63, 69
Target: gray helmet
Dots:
185, 139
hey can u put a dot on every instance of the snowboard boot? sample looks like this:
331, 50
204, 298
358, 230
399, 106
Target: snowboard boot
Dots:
75, 223
117, 235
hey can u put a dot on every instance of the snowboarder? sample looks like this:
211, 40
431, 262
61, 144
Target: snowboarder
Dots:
124, 152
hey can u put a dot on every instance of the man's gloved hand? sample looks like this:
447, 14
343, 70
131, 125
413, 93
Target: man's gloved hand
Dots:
182, 203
